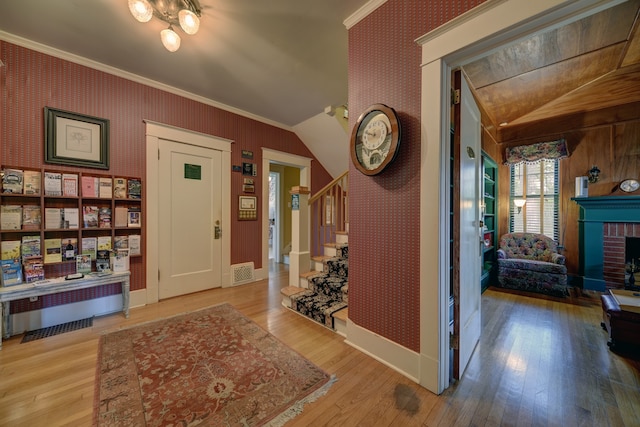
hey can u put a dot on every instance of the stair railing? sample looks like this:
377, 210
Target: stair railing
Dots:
329, 211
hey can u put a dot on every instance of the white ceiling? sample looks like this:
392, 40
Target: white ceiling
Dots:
281, 60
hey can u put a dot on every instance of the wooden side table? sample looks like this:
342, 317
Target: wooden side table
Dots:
623, 325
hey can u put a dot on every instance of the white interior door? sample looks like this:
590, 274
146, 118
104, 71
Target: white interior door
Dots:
470, 231
190, 213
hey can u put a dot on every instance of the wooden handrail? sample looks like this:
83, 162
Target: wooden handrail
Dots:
327, 187
329, 211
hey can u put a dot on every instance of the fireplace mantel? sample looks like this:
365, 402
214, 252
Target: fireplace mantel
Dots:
594, 212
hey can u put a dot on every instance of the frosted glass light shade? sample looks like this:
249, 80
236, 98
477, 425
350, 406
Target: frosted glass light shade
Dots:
170, 39
189, 21
141, 10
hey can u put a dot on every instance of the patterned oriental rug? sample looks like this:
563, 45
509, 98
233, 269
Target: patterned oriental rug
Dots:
213, 367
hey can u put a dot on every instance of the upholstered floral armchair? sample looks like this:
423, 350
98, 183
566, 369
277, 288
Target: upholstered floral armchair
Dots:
531, 262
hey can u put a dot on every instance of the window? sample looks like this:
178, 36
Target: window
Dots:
537, 183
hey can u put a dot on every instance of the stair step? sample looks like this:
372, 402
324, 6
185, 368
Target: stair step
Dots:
319, 262
334, 249
290, 290
342, 237
340, 321
310, 273
342, 314
330, 249
304, 278
287, 292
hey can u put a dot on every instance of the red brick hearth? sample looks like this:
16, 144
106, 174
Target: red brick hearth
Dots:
614, 241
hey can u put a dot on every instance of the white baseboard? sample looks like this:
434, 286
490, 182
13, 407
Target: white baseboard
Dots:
261, 273
59, 314
340, 327
391, 354
138, 298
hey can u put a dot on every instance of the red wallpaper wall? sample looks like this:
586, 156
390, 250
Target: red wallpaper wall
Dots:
32, 80
384, 238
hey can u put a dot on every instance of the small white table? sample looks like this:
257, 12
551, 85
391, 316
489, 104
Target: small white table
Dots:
54, 286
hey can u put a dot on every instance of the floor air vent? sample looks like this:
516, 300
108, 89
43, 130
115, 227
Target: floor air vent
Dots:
242, 273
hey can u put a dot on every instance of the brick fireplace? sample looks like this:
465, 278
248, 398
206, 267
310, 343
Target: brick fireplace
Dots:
616, 239
604, 224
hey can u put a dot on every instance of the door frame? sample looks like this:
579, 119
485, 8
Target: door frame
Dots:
155, 132
475, 33
279, 157
277, 235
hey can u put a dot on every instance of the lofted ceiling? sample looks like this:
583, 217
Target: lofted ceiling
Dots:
281, 61
285, 61
586, 73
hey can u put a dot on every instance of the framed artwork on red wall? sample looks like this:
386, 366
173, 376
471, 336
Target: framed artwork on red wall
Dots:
75, 139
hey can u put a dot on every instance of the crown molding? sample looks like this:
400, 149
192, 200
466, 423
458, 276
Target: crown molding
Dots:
458, 21
48, 50
363, 12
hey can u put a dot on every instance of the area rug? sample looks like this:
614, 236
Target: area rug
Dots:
212, 367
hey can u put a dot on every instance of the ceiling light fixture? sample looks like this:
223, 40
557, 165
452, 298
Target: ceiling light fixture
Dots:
170, 39
181, 13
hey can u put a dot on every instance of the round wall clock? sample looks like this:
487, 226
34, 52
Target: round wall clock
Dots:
629, 185
375, 139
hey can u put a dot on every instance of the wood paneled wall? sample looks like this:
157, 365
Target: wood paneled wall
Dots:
615, 149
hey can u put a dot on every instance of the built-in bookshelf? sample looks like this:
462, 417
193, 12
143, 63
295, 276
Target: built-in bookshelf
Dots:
489, 220
41, 206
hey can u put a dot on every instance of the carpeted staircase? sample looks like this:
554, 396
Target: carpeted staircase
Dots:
327, 290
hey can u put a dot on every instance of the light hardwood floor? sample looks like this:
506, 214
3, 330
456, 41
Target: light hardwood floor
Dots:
540, 362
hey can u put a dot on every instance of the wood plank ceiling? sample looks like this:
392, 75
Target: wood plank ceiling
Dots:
581, 75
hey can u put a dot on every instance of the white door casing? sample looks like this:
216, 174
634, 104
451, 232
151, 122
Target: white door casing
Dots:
189, 216
151, 190
279, 157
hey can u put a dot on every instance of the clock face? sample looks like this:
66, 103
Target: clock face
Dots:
375, 139
376, 132
629, 185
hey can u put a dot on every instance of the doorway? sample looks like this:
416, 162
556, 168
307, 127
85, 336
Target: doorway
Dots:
487, 27
155, 133
288, 177
271, 159
274, 217
189, 237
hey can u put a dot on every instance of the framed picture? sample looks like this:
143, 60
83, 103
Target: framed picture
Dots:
247, 208
75, 139
247, 203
